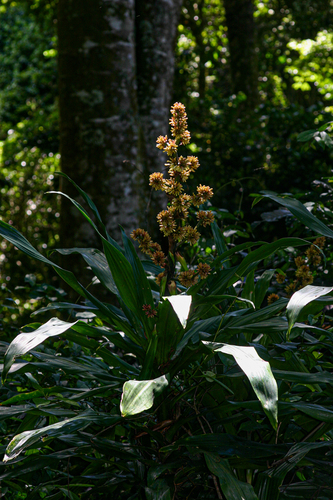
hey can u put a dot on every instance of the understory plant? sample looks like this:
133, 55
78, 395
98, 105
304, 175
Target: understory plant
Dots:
187, 383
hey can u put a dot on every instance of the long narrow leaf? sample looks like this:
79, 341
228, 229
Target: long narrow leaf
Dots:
301, 213
301, 298
259, 374
232, 488
24, 342
22, 441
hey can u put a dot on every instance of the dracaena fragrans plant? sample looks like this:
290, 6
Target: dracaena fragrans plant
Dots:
187, 385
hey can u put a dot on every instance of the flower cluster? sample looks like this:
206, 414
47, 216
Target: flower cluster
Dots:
173, 221
305, 268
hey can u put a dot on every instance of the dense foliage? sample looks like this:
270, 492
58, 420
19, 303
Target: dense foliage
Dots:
218, 388
204, 371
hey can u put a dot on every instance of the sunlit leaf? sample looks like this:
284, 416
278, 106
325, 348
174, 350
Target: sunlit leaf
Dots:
259, 374
301, 298
138, 395
181, 304
24, 342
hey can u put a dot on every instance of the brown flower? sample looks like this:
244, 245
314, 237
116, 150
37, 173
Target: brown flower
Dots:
192, 234
171, 147
159, 258
320, 242
161, 141
159, 277
205, 218
172, 187
178, 123
156, 180
273, 297
290, 289
280, 277
203, 270
143, 238
166, 222
192, 163
299, 261
149, 311
187, 278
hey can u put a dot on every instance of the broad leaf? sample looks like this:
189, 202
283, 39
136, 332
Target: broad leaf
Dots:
301, 298
232, 488
181, 304
259, 374
28, 438
301, 213
98, 263
24, 342
138, 395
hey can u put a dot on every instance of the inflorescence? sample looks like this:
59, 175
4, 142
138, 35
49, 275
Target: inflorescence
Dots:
173, 222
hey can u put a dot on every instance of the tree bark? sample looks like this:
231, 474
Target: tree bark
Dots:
116, 68
243, 57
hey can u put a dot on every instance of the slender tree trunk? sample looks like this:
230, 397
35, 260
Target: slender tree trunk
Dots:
243, 57
156, 31
116, 67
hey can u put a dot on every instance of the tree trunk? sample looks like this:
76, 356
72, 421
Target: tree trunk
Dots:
116, 68
243, 58
156, 31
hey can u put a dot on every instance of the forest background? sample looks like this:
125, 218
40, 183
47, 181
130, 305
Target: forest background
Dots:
253, 75
140, 397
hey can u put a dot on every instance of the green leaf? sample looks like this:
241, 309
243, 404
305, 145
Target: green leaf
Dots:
122, 273
23, 244
93, 208
138, 395
231, 446
219, 242
172, 315
262, 285
259, 374
160, 490
181, 304
265, 251
148, 364
24, 342
307, 135
98, 263
28, 438
301, 298
232, 488
141, 280
301, 213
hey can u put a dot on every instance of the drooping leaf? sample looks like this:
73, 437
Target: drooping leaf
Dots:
226, 444
138, 395
160, 490
259, 374
12, 235
265, 251
24, 342
219, 242
98, 263
301, 298
301, 213
262, 285
181, 304
93, 208
123, 276
232, 488
22, 441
